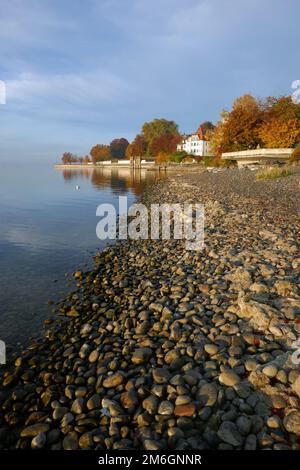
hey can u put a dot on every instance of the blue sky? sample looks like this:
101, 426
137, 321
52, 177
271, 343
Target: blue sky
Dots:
82, 72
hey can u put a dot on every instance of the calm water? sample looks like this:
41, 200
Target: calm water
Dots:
47, 230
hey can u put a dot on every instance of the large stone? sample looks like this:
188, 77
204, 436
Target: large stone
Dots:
70, 441
165, 408
240, 277
150, 444
172, 355
211, 349
93, 402
35, 429
161, 375
208, 394
296, 386
113, 380
129, 399
185, 410
270, 370
38, 441
86, 441
150, 404
259, 315
229, 378
141, 355
59, 412
250, 443
78, 406
291, 422
93, 357
285, 288
113, 407
228, 433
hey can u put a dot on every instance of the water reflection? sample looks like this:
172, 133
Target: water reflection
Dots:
47, 229
120, 180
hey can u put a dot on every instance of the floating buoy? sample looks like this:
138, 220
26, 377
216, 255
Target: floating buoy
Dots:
77, 187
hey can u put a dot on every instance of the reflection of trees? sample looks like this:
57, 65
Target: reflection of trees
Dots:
70, 175
99, 180
120, 180
118, 183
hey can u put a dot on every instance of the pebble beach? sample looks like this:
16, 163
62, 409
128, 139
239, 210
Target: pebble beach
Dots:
161, 348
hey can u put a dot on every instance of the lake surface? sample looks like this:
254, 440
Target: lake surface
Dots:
47, 231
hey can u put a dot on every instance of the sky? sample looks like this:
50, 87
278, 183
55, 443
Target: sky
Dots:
82, 72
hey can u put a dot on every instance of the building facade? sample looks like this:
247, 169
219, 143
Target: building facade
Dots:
195, 144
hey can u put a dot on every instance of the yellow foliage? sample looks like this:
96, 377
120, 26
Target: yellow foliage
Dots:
280, 134
162, 157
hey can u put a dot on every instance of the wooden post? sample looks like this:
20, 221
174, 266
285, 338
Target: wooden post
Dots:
135, 162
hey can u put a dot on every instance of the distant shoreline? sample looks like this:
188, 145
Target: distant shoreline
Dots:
148, 167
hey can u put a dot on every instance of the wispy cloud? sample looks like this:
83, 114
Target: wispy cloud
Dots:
86, 71
86, 89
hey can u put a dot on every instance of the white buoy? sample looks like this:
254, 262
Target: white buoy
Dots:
77, 187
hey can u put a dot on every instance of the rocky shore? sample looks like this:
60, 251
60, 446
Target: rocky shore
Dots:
164, 348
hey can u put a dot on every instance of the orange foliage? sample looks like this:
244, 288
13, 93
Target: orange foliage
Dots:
161, 157
280, 134
166, 143
100, 152
137, 148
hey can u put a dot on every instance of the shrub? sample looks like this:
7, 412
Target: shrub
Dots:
177, 157
272, 173
295, 157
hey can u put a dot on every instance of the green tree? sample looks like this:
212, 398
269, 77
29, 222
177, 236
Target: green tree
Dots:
154, 129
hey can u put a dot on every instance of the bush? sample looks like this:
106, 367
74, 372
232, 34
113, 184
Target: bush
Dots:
295, 157
177, 157
272, 173
214, 161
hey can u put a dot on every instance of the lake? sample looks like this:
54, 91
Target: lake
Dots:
47, 231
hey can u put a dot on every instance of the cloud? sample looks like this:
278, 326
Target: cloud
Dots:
86, 71
86, 89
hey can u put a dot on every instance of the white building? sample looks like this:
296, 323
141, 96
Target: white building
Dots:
195, 144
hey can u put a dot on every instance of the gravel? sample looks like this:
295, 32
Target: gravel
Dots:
164, 348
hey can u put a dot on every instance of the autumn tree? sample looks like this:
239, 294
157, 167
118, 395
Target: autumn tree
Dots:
280, 134
216, 136
137, 148
166, 143
154, 129
68, 158
205, 129
241, 126
118, 148
282, 108
161, 157
238, 129
100, 153
281, 123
